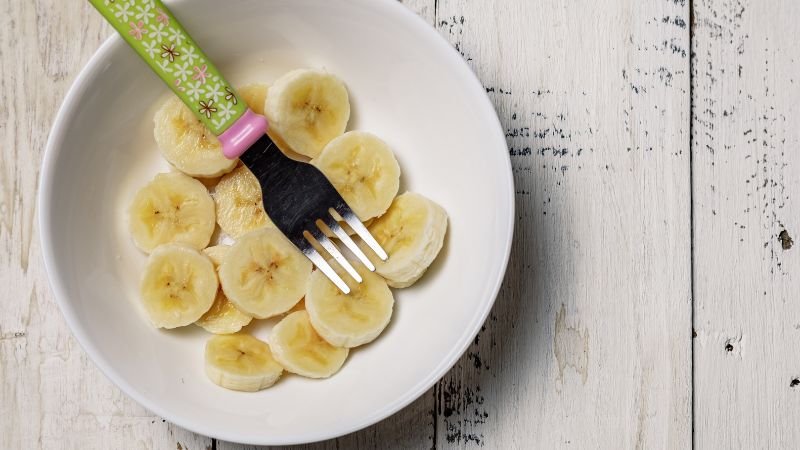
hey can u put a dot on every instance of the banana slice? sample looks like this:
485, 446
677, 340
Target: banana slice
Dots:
300, 306
187, 144
264, 274
223, 317
363, 169
172, 208
178, 286
307, 109
209, 183
353, 319
255, 95
345, 227
239, 205
241, 362
299, 349
412, 233
217, 254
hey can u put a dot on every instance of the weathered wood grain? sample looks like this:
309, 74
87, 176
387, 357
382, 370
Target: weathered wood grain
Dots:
588, 346
746, 200
589, 343
51, 395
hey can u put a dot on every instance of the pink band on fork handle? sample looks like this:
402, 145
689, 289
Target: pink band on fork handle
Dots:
242, 134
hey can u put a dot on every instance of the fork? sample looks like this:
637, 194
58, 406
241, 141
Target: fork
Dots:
302, 203
297, 197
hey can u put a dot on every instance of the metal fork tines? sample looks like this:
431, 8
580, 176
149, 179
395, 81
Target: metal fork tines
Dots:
302, 203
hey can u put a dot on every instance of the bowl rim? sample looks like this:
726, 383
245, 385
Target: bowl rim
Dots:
45, 221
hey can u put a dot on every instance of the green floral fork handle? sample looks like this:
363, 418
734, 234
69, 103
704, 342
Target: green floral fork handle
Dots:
151, 29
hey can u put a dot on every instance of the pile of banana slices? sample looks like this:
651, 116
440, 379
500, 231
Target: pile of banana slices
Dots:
192, 278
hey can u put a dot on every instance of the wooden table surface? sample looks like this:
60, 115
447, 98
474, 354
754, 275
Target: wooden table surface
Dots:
653, 295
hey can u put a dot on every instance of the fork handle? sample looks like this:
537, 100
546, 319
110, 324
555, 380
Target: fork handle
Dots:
157, 36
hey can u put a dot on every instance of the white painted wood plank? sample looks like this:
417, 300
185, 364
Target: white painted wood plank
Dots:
597, 266
51, 395
746, 194
589, 343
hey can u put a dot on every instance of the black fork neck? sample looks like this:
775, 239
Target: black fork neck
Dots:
263, 156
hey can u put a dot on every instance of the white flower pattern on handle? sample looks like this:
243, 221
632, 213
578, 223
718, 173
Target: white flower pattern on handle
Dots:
151, 47
176, 36
164, 66
158, 32
144, 13
195, 90
226, 110
185, 68
218, 122
214, 91
183, 71
190, 54
124, 12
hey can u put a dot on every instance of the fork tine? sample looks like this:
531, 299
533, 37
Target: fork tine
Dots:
352, 220
334, 226
333, 251
323, 265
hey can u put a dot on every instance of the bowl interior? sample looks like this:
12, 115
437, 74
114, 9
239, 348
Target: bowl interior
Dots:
406, 85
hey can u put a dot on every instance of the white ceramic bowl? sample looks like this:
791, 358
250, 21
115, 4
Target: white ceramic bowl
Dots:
407, 85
